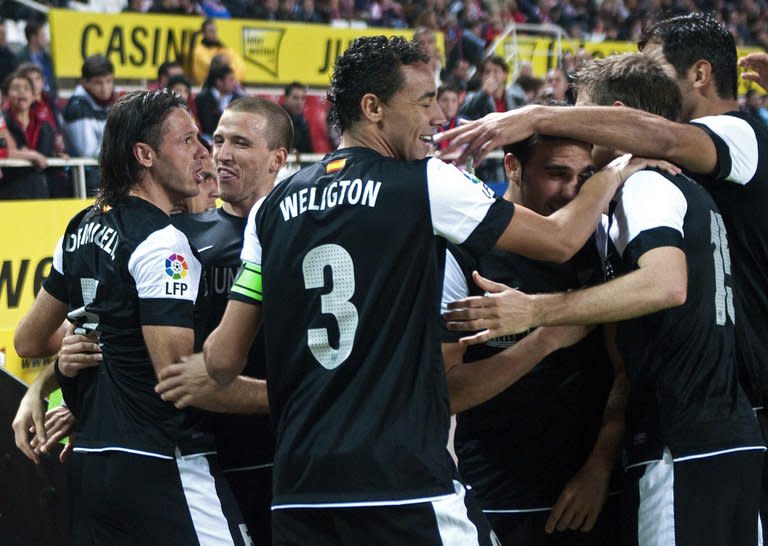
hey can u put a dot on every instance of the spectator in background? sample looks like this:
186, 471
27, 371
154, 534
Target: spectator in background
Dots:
426, 37
8, 60
449, 98
493, 95
165, 71
753, 103
220, 89
210, 47
45, 111
308, 14
180, 84
36, 52
293, 102
33, 140
86, 113
556, 86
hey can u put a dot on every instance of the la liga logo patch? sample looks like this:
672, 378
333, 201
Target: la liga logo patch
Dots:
176, 266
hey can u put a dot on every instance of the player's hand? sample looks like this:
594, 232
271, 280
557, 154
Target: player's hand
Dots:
28, 423
79, 352
757, 68
185, 382
503, 311
581, 500
59, 422
39, 161
626, 165
478, 138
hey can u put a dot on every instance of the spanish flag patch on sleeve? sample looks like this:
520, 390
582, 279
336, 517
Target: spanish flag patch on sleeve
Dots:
335, 165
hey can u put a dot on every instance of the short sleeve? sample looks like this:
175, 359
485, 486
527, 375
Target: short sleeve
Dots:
649, 214
167, 276
55, 284
463, 209
736, 144
247, 287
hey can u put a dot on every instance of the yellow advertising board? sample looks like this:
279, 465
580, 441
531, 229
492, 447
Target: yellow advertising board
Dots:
274, 53
541, 52
30, 232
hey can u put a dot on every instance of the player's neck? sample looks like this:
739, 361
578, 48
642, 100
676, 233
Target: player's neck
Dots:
712, 106
365, 139
154, 194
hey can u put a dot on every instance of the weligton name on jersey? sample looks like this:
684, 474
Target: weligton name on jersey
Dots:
341, 192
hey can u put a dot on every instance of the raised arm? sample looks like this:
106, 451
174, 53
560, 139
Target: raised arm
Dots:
633, 131
756, 65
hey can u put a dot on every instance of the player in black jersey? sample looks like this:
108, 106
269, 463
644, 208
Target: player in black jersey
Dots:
535, 438
141, 471
694, 446
250, 146
352, 250
724, 149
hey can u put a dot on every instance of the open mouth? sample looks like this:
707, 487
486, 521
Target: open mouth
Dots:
429, 139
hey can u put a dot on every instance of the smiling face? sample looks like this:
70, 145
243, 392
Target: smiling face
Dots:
412, 114
242, 157
179, 164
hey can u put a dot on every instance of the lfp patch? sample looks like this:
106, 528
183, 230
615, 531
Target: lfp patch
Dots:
176, 266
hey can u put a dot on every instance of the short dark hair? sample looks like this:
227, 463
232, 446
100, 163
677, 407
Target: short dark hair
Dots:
636, 79
136, 117
293, 85
208, 21
32, 27
179, 78
218, 72
523, 150
97, 65
372, 64
449, 87
27, 68
689, 38
498, 61
279, 132
162, 70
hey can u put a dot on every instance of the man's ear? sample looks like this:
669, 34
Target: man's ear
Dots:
513, 169
144, 154
618, 103
371, 107
277, 159
700, 74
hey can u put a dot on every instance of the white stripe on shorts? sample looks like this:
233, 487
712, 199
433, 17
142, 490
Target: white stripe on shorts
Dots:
203, 501
453, 523
656, 512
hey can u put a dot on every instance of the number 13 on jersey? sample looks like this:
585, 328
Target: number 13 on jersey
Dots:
335, 303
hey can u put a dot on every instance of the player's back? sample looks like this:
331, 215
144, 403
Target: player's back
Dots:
351, 283
740, 189
117, 272
680, 361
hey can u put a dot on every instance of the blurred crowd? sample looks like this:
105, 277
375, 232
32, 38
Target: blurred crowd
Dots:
37, 124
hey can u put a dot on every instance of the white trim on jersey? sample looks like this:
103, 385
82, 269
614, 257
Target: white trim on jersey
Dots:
203, 501
398, 502
454, 282
457, 204
58, 256
150, 267
251, 251
123, 449
453, 523
517, 510
647, 200
741, 140
246, 468
656, 511
716, 453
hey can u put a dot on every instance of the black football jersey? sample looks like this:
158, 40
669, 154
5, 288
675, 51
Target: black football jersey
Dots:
680, 361
740, 189
519, 449
242, 441
119, 270
352, 251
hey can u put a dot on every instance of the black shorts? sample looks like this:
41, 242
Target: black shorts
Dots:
120, 498
253, 492
455, 520
710, 501
527, 528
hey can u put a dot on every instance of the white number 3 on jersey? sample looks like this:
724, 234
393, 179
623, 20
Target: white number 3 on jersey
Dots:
335, 303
